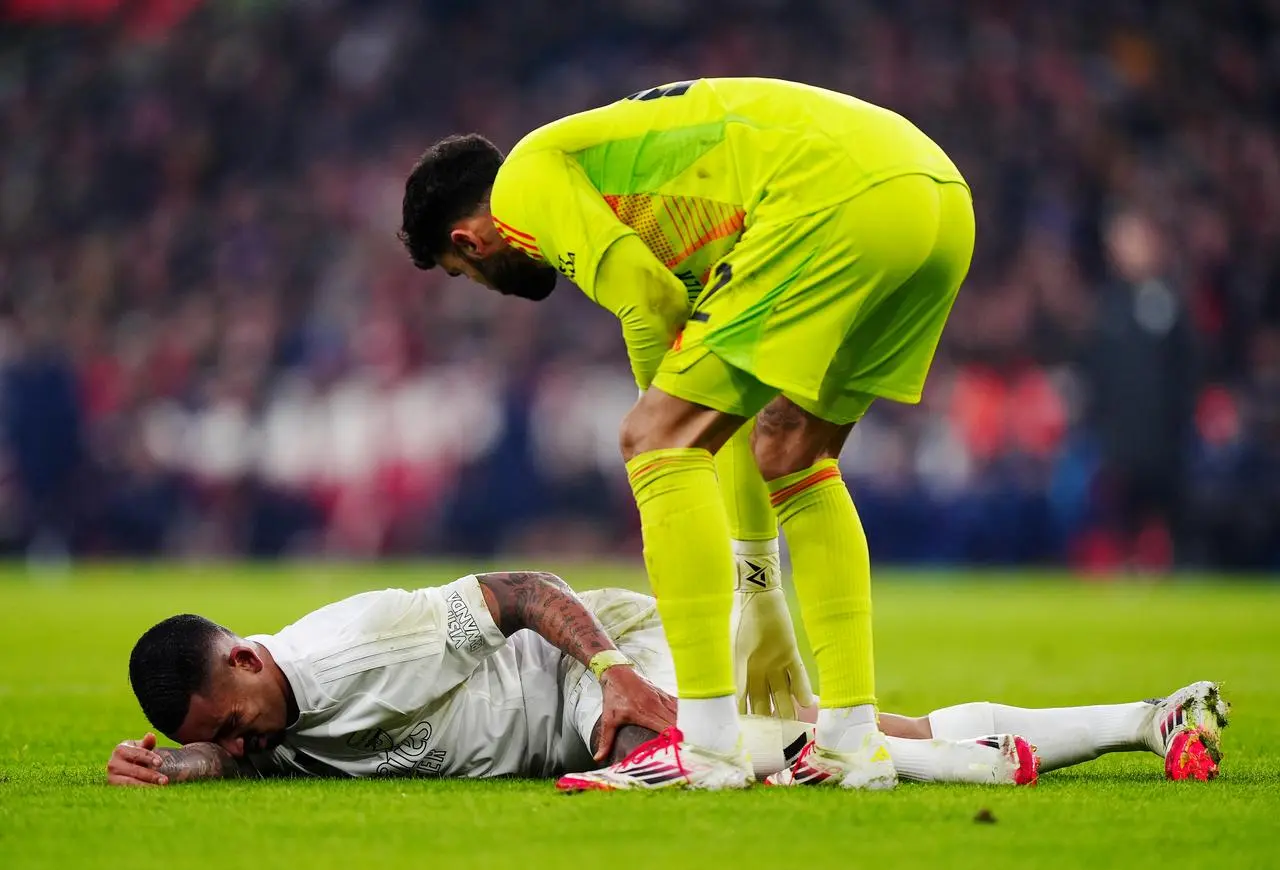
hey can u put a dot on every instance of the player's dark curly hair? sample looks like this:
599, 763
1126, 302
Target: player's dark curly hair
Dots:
449, 181
170, 663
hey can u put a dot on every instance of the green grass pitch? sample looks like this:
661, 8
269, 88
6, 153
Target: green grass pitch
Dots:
1031, 640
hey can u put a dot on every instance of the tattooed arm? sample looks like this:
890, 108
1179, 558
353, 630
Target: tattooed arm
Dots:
140, 762
201, 761
543, 603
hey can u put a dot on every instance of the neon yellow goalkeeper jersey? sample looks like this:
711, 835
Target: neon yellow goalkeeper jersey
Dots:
686, 167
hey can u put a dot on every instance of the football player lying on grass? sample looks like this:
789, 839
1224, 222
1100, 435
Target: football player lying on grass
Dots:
514, 674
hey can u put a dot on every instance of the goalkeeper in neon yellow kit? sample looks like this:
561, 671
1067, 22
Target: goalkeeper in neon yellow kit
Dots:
779, 256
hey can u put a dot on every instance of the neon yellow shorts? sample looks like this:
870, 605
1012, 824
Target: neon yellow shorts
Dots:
832, 310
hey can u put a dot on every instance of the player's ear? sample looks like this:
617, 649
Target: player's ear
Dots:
244, 656
475, 236
466, 242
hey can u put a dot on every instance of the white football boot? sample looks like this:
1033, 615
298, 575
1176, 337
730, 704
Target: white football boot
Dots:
1186, 728
868, 767
667, 762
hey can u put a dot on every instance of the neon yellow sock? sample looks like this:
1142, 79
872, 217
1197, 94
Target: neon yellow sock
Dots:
686, 549
746, 498
832, 571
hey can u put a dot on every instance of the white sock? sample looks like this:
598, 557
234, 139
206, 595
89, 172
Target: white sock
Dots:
773, 744
758, 563
926, 760
916, 760
711, 723
1063, 736
843, 728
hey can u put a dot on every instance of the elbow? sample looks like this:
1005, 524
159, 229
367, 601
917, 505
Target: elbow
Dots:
546, 578
513, 596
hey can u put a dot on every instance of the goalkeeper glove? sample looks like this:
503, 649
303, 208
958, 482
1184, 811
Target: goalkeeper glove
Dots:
771, 678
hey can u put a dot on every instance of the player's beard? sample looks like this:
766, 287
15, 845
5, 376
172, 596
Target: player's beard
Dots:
512, 273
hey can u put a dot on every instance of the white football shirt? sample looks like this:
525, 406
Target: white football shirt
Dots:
423, 683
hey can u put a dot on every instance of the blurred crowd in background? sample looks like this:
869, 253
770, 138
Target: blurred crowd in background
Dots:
212, 344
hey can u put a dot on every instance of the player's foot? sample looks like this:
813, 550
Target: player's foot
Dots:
667, 762
1186, 728
869, 767
1001, 759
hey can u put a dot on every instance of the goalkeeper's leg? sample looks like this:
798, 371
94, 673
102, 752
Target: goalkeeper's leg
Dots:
770, 673
796, 452
668, 443
753, 526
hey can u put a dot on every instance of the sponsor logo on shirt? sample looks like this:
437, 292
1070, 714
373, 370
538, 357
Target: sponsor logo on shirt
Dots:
412, 757
372, 740
464, 632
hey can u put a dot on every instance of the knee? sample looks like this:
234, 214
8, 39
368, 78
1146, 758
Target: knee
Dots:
631, 436
659, 421
770, 458
777, 457
643, 430
783, 440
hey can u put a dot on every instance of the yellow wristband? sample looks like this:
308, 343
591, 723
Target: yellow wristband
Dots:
605, 659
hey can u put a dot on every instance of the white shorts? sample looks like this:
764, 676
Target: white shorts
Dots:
631, 621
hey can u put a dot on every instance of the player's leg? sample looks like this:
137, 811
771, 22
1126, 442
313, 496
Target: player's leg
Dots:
796, 453
1184, 729
789, 306
904, 249
668, 444
907, 727
1063, 736
753, 526
776, 745
632, 621
767, 662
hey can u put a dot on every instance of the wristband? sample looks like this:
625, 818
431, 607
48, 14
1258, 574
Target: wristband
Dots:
757, 574
605, 659
759, 566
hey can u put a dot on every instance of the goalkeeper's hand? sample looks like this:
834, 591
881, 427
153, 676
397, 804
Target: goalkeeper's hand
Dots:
770, 674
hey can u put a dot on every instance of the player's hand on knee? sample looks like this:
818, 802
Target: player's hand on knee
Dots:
771, 677
630, 699
134, 762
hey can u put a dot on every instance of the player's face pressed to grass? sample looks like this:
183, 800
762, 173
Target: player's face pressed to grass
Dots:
245, 705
